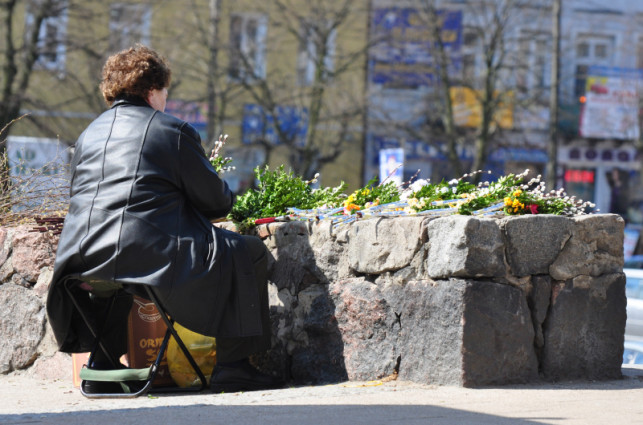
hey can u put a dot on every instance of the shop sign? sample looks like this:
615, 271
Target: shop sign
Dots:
194, 113
403, 56
467, 108
610, 108
258, 125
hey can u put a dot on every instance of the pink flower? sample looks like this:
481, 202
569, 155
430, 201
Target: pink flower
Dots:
533, 208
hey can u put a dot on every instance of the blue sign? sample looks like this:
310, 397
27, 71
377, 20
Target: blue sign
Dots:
257, 125
403, 56
414, 150
518, 155
195, 113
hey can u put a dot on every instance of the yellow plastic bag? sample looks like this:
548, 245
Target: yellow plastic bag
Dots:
203, 349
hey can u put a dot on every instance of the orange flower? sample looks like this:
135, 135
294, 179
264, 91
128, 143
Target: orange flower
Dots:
348, 209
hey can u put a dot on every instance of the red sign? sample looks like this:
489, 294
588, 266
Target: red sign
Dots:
579, 176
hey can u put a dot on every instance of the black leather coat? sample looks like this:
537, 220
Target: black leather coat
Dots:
142, 196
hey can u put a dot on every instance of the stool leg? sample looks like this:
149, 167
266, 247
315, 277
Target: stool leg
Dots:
170, 327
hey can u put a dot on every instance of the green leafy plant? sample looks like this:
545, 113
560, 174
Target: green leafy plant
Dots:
513, 196
372, 195
279, 190
432, 196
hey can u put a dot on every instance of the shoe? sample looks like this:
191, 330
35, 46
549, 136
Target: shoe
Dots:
244, 377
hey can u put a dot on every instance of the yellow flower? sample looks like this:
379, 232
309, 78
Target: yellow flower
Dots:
517, 193
349, 200
507, 201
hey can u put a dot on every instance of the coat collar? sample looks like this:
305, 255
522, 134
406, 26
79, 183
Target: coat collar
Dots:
126, 99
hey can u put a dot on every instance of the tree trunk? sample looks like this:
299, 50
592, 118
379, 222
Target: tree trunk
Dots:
213, 126
552, 147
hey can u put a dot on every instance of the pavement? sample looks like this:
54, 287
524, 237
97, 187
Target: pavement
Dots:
25, 399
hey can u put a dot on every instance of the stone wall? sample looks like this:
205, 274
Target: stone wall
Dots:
455, 300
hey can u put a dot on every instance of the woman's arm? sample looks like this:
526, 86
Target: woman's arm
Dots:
203, 187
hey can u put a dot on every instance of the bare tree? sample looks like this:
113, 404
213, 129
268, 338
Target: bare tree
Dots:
18, 58
491, 29
552, 147
327, 86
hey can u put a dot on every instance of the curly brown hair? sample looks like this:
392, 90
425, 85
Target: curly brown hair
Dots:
134, 72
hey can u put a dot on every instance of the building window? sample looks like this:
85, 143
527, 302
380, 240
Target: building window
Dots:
51, 49
313, 41
582, 50
594, 49
247, 46
533, 70
601, 51
470, 57
591, 50
128, 24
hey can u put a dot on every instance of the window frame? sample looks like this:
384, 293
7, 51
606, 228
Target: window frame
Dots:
240, 46
45, 46
126, 37
309, 42
533, 70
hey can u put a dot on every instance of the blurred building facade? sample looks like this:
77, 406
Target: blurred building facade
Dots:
359, 77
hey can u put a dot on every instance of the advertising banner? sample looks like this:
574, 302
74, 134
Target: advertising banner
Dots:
403, 56
392, 165
611, 103
258, 125
467, 109
195, 113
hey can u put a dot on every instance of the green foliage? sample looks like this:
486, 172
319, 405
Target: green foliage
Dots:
429, 194
519, 198
277, 191
372, 195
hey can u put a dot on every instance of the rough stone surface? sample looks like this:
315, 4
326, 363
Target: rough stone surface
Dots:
429, 317
22, 326
379, 245
584, 331
498, 335
294, 265
533, 242
538, 300
31, 252
455, 300
5, 244
317, 352
594, 248
56, 366
368, 327
462, 246
330, 250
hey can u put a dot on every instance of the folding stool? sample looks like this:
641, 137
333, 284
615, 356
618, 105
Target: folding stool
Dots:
128, 375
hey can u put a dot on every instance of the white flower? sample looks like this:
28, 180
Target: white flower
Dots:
452, 182
444, 190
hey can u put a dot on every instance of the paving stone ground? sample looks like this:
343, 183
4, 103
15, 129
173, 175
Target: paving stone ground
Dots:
25, 399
